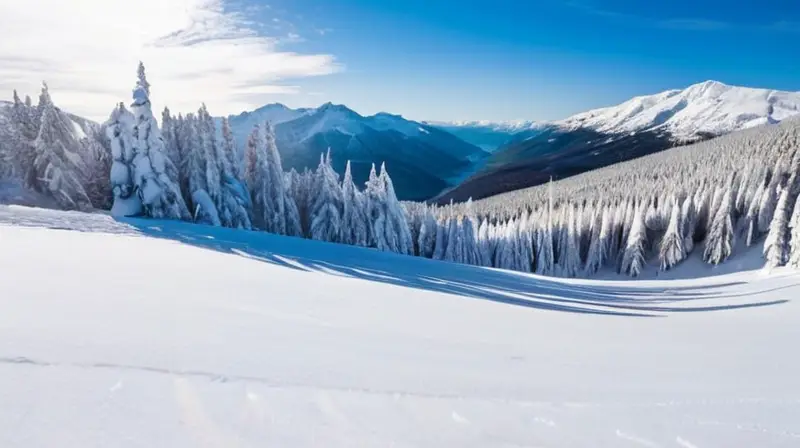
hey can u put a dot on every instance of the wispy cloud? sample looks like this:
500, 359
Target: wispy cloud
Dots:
684, 24
194, 51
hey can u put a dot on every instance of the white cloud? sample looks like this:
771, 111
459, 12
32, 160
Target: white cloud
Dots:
194, 51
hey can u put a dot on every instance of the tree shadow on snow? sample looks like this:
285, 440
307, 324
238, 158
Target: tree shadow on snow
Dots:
511, 288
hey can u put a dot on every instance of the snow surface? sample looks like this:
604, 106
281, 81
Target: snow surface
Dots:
136, 333
711, 107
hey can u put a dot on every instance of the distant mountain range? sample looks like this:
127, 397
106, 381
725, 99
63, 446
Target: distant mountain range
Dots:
637, 127
423, 160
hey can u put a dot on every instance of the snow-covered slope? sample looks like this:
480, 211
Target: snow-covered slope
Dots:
148, 333
710, 107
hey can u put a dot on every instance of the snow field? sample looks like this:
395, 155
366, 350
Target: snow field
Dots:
162, 333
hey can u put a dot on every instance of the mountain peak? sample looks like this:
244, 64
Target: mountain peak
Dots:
335, 107
710, 83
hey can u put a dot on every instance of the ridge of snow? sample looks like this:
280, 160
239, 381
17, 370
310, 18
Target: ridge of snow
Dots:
707, 107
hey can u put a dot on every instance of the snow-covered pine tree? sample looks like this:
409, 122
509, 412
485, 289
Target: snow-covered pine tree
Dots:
229, 149
287, 218
119, 131
397, 231
206, 131
159, 193
18, 153
471, 252
98, 160
794, 242
354, 216
453, 251
570, 256
777, 247
769, 198
627, 222
545, 258
299, 187
375, 193
503, 249
702, 205
326, 210
234, 204
427, 234
750, 222
689, 220
442, 229
633, 257
59, 168
184, 140
601, 231
169, 132
720, 237
526, 245
484, 244
672, 249
617, 229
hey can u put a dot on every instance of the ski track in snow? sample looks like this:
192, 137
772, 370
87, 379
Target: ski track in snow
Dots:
155, 333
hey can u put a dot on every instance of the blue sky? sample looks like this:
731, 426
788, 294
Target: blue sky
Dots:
502, 59
424, 59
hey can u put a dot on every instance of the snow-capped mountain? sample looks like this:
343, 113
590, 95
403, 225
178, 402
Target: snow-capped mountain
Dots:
489, 135
637, 127
423, 159
710, 107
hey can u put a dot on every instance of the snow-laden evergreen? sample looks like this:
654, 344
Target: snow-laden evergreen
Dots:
159, 193
119, 130
327, 206
354, 218
274, 208
57, 167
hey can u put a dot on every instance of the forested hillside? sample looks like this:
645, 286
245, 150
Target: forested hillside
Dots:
713, 197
